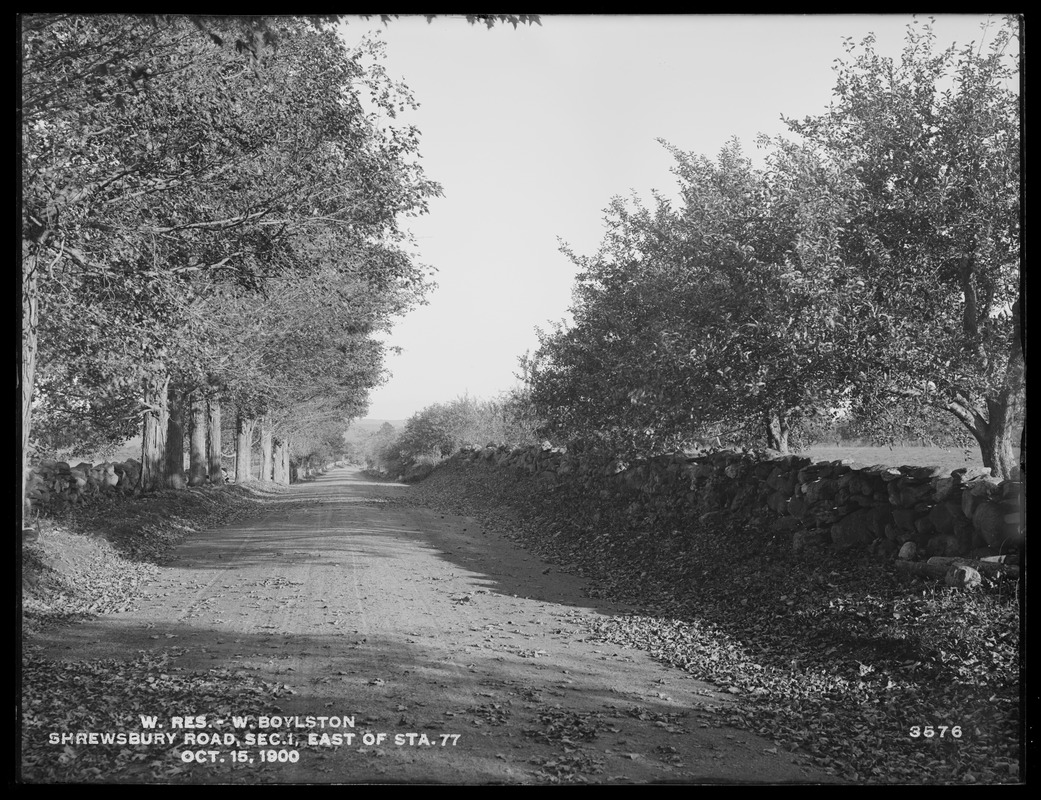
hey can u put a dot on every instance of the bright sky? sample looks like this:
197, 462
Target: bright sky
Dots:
532, 131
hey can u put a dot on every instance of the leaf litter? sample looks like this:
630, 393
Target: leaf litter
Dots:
91, 559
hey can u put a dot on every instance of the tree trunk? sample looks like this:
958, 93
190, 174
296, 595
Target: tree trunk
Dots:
1006, 407
175, 439
777, 430
970, 320
30, 320
265, 450
997, 439
243, 448
995, 434
197, 449
153, 433
280, 472
995, 430
213, 424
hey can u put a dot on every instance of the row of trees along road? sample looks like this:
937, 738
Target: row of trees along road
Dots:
210, 220
871, 264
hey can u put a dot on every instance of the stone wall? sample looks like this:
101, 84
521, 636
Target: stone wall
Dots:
56, 481
906, 510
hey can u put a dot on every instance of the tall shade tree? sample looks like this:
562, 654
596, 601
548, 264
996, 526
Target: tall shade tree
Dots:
932, 140
311, 338
160, 161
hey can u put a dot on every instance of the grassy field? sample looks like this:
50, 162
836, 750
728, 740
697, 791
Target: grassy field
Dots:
899, 456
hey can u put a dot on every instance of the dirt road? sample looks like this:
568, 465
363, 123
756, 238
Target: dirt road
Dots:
466, 653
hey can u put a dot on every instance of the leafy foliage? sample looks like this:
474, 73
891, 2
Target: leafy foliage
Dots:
443, 428
191, 185
933, 239
717, 316
370, 447
870, 268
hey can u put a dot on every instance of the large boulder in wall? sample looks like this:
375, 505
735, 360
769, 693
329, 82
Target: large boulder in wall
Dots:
854, 530
129, 473
991, 524
109, 479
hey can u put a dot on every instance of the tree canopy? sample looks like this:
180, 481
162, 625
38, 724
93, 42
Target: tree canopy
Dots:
933, 243
214, 203
869, 264
713, 315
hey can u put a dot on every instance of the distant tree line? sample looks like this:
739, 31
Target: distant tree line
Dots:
868, 268
441, 429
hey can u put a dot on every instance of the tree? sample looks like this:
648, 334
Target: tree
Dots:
376, 449
308, 342
713, 316
441, 429
933, 142
152, 178
160, 148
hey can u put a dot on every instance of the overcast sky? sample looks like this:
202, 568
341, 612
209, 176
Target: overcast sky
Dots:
532, 131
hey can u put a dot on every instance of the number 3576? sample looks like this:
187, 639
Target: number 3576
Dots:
935, 731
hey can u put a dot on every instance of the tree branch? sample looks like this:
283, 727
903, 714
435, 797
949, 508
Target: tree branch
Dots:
220, 224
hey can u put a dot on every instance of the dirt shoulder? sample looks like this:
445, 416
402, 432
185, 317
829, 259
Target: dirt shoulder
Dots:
472, 657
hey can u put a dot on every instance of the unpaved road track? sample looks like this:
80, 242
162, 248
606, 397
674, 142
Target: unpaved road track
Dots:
414, 622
